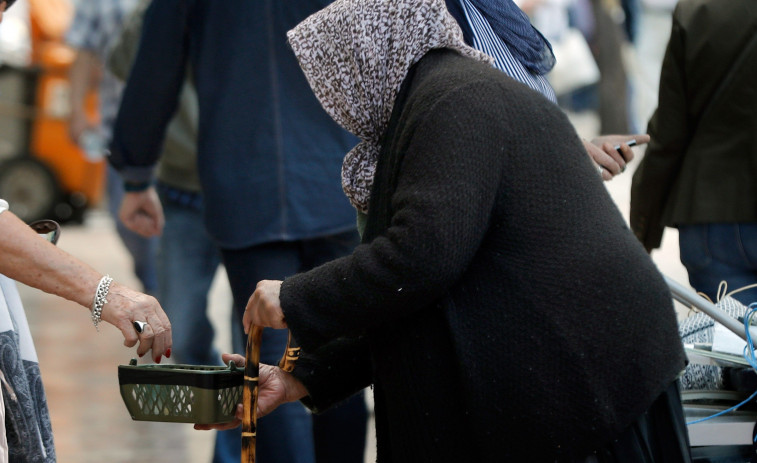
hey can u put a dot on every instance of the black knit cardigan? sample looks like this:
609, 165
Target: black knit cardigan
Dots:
499, 304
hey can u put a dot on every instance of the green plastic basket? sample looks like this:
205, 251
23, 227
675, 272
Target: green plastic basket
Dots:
181, 393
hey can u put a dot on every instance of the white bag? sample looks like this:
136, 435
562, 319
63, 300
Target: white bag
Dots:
3, 439
575, 66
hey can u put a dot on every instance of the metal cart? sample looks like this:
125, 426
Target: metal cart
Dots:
729, 437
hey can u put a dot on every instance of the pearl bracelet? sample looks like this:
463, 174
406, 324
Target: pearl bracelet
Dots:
97, 305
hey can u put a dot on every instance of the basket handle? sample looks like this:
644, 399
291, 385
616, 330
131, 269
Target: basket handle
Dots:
250, 391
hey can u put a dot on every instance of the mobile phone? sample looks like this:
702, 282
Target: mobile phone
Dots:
629, 143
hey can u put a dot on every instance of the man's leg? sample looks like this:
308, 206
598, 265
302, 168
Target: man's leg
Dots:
713, 253
286, 435
187, 263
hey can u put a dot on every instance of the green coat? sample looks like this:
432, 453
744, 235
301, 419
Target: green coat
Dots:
701, 169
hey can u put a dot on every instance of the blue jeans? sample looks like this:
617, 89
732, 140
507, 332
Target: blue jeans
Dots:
287, 434
141, 249
187, 262
719, 252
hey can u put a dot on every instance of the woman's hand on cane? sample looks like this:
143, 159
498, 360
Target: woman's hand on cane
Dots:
264, 307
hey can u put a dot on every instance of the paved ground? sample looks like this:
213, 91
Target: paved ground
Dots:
79, 365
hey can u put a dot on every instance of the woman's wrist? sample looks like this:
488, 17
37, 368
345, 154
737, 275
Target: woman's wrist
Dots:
100, 299
293, 387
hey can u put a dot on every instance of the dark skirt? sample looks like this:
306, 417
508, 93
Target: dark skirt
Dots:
658, 436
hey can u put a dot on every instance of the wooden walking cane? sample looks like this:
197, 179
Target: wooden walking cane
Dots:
250, 392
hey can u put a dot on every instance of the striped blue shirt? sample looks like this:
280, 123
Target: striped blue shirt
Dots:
487, 41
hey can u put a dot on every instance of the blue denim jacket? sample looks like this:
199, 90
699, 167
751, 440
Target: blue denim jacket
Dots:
269, 156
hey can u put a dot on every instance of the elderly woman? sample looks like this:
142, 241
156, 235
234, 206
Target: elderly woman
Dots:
478, 305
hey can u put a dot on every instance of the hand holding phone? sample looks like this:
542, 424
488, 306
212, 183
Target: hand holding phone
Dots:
629, 143
601, 149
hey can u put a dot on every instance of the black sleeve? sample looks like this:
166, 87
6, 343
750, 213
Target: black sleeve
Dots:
152, 90
334, 372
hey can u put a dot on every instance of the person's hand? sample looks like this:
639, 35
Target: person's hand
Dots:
78, 122
142, 213
264, 307
611, 162
275, 387
126, 306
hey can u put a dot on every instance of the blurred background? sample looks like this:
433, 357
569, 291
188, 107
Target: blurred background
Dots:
44, 174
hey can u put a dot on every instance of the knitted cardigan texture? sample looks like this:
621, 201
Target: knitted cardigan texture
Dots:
499, 304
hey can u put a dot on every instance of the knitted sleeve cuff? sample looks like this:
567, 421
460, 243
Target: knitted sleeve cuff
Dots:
334, 372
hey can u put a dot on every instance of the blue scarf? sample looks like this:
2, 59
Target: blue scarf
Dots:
512, 25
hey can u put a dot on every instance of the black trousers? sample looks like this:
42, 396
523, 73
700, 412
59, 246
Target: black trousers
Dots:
658, 436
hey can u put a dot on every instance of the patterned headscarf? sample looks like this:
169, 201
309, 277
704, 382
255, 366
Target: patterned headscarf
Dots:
355, 54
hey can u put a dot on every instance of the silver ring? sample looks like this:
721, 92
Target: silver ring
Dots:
139, 326
600, 170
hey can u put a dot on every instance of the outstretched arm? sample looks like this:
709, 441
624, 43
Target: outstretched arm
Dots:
31, 260
83, 76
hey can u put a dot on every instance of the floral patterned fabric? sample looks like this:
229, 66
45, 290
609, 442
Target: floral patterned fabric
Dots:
355, 55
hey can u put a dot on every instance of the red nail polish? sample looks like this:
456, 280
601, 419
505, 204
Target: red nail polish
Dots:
168, 353
157, 359
142, 355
